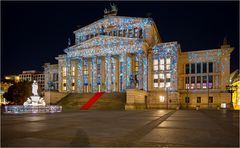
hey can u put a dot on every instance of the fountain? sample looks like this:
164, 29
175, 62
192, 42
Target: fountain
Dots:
34, 104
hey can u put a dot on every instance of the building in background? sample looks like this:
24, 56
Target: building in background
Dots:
51, 76
235, 84
31, 75
126, 54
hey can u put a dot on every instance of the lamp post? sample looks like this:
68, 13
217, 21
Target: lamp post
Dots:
231, 89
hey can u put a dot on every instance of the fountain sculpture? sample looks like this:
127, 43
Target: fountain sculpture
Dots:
34, 104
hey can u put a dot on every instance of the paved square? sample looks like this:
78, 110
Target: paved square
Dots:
122, 128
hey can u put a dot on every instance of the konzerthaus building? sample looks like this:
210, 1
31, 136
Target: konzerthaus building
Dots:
126, 54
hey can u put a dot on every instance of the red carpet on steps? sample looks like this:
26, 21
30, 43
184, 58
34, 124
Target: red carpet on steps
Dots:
90, 102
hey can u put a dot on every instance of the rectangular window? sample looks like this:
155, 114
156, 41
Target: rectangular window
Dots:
155, 76
210, 99
187, 69
204, 82
198, 99
155, 82
187, 82
192, 68
168, 75
155, 85
73, 84
73, 71
161, 76
199, 67
210, 67
168, 84
64, 71
161, 66
187, 100
168, 61
210, 81
161, 84
136, 67
192, 82
161, 61
204, 68
198, 82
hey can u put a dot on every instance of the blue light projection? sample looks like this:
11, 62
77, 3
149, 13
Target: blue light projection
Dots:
103, 45
123, 59
128, 70
145, 72
94, 74
80, 75
169, 50
69, 79
113, 69
108, 73
140, 69
116, 23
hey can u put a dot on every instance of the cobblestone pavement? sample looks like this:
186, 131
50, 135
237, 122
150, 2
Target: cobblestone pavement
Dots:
122, 128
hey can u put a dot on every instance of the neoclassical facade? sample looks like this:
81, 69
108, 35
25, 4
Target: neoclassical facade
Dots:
126, 54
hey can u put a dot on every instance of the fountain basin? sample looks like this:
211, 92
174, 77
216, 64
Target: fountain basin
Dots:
18, 109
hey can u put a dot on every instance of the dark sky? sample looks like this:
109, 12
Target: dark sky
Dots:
33, 33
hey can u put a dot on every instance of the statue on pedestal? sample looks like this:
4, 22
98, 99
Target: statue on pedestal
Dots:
35, 88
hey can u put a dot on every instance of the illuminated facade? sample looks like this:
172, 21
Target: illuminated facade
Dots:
126, 54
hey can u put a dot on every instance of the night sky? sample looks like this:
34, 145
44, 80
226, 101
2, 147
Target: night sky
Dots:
34, 33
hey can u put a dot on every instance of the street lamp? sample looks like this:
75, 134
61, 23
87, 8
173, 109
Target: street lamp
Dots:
231, 89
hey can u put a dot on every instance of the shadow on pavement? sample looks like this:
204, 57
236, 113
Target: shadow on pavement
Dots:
80, 139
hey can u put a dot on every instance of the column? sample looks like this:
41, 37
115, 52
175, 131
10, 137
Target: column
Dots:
117, 73
60, 65
103, 74
108, 73
123, 59
69, 79
145, 72
89, 75
140, 69
129, 70
94, 74
80, 75
150, 70
113, 74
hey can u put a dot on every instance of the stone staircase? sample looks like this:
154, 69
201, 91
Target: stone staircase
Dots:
108, 101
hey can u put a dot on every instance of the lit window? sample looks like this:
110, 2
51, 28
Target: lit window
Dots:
161, 84
155, 85
155, 62
161, 67
168, 84
168, 61
161, 76
64, 71
73, 71
204, 79
161, 61
155, 76
167, 67
168, 75
73, 84
155, 67
161, 98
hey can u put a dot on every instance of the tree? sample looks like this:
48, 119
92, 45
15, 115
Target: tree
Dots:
19, 92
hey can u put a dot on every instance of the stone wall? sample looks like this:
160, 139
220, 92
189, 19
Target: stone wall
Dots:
52, 97
135, 99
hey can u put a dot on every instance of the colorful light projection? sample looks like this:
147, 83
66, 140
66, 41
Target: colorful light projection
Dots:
111, 23
169, 50
108, 45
